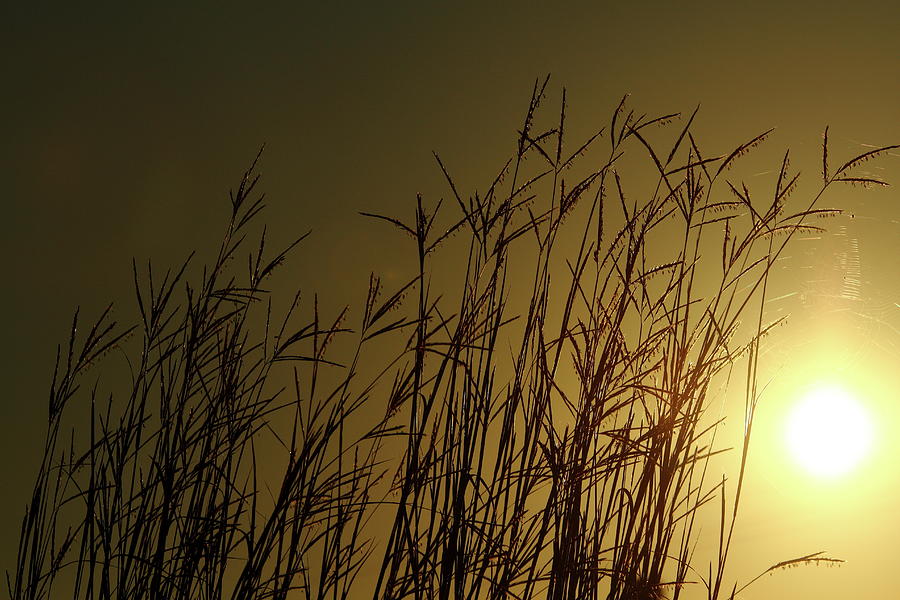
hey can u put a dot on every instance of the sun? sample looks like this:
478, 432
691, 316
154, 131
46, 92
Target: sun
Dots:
829, 432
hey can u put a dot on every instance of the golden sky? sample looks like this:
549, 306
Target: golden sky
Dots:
124, 128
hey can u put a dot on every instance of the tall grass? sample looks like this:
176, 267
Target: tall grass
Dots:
534, 414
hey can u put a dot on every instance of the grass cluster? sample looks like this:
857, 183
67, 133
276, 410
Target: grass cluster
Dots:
538, 421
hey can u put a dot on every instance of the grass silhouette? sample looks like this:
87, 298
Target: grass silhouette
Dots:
530, 415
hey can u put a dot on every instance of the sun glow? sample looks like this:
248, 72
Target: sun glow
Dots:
829, 432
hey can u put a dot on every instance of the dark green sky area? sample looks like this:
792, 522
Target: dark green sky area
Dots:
124, 127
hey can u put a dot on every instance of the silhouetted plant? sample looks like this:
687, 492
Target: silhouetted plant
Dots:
551, 407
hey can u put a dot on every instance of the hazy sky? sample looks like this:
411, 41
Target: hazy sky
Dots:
123, 130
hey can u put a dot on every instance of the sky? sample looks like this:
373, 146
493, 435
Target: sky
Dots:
125, 126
